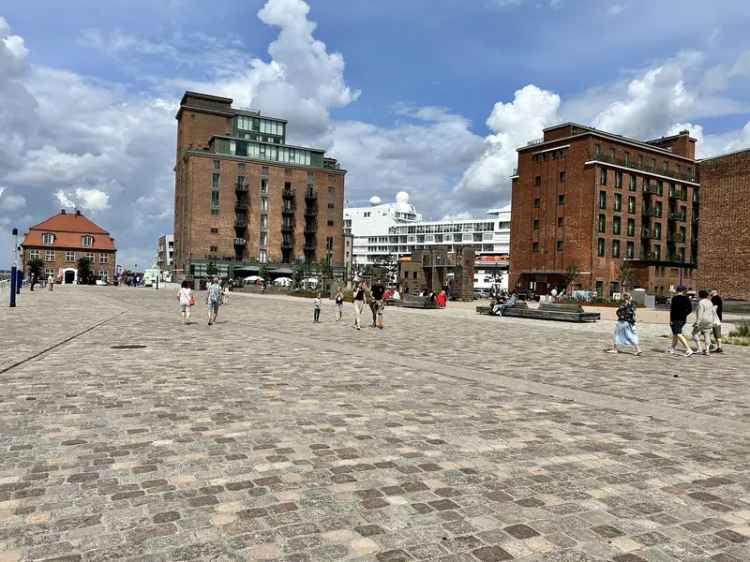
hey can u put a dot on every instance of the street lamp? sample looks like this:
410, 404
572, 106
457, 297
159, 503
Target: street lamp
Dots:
14, 269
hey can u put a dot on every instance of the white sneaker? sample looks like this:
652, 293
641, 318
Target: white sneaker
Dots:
689, 352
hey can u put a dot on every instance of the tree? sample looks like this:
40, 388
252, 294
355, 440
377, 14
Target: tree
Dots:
36, 267
299, 273
626, 274
263, 272
85, 274
571, 272
211, 269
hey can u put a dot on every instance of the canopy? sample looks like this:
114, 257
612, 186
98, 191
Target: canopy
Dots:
282, 271
247, 269
252, 278
283, 281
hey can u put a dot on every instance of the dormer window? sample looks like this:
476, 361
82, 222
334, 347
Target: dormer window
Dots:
48, 239
87, 241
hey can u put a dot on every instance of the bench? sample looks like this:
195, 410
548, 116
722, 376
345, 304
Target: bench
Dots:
410, 301
484, 309
559, 312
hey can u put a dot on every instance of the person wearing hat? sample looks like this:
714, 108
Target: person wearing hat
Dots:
679, 309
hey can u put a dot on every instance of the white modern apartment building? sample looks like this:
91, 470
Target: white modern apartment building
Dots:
383, 233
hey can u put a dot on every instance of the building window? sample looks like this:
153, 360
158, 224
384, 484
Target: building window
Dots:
103, 258
559, 245
631, 227
536, 203
49, 255
87, 241
535, 247
263, 256
603, 176
612, 154
215, 181
217, 164
214, 199
331, 205
214, 211
330, 223
657, 230
561, 199
535, 224
90, 256
329, 243
602, 199
618, 202
616, 224
562, 176
660, 187
241, 166
618, 179
615, 248
630, 250
70, 256
264, 171
33, 254
264, 204
560, 221
631, 185
597, 149
213, 249
600, 247
263, 239
657, 252
214, 231
631, 205
602, 224
627, 159
538, 180
48, 239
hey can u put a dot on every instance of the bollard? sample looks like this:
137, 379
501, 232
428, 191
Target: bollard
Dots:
13, 286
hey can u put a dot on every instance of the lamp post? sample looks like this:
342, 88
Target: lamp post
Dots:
14, 269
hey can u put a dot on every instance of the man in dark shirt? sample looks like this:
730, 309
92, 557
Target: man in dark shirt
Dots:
378, 290
717, 301
680, 308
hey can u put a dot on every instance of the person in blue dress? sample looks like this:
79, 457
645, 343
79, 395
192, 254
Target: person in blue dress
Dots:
625, 328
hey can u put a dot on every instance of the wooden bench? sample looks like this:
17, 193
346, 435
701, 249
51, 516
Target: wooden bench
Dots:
484, 309
569, 312
411, 301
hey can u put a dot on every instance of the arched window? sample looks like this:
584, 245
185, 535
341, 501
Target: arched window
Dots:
48, 239
87, 241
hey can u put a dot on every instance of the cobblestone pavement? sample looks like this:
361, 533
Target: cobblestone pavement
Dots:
443, 437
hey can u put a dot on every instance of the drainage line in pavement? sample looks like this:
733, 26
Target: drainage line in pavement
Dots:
58, 344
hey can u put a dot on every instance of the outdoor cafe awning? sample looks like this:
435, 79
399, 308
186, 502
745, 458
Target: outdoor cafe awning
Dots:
282, 271
247, 269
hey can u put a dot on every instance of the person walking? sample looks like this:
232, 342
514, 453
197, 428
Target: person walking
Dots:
225, 294
718, 303
339, 304
316, 309
187, 300
50, 282
360, 299
213, 300
625, 327
679, 309
705, 319
377, 305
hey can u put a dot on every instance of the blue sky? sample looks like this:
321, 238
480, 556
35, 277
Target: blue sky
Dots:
431, 97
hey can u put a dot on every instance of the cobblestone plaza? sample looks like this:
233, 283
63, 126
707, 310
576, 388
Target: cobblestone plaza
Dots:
444, 437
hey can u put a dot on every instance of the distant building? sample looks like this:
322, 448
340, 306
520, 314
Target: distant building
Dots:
244, 197
62, 240
591, 201
724, 226
435, 268
383, 233
165, 256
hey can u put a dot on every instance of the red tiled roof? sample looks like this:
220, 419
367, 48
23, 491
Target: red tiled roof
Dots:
68, 229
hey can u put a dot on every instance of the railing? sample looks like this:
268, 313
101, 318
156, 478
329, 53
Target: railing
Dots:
678, 194
287, 227
286, 244
310, 195
288, 193
243, 187
642, 167
650, 212
533, 142
676, 237
311, 228
677, 217
241, 206
240, 223
650, 190
311, 212
240, 241
648, 234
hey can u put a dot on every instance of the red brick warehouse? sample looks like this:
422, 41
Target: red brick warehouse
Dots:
588, 200
245, 197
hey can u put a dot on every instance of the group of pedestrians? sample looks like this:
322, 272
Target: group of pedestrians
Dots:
708, 318
216, 295
375, 297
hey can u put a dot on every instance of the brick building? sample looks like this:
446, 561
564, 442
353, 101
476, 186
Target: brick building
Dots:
435, 268
588, 201
724, 227
61, 240
245, 197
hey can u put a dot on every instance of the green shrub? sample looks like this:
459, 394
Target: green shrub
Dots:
741, 330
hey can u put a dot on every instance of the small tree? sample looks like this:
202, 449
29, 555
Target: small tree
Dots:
36, 267
211, 269
299, 274
263, 272
84, 271
626, 274
571, 272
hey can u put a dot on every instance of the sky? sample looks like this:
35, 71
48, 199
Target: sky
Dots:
431, 97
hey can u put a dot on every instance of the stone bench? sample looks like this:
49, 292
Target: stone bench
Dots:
409, 301
559, 312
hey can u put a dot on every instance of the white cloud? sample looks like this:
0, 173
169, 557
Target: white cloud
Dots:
11, 202
513, 124
615, 9
64, 200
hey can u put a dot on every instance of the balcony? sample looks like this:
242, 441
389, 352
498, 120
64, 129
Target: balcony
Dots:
678, 194
288, 193
241, 206
676, 237
311, 228
287, 227
633, 165
240, 222
648, 234
650, 190
310, 246
240, 242
677, 217
651, 212
310, 195
287, 244
311, 212
241, 187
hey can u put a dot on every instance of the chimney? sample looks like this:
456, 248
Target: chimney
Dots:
62, 212
78, 213
684, 132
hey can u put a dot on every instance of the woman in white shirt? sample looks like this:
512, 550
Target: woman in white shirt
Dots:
187, 300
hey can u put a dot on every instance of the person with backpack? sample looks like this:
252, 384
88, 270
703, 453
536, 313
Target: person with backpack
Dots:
213, 300
625, 327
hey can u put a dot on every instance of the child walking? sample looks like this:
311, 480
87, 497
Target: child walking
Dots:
187, 300
339, 305
316, 309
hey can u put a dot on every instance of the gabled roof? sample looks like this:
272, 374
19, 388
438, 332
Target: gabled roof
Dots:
68, 229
